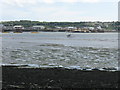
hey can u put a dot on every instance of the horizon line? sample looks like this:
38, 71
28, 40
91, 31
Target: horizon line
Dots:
58, 21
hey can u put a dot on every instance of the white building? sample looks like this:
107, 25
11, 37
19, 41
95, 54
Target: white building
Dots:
57, 27
71, 28
99, 28
89, 28
38, 27
18, 27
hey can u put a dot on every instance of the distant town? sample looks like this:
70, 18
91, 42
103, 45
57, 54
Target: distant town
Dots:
36, 26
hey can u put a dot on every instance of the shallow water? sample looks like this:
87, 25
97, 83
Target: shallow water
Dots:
55, 49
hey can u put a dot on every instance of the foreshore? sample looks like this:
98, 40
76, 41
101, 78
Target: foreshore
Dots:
35, 32
25, 77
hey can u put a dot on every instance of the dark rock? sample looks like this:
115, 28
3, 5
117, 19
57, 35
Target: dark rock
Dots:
59, 78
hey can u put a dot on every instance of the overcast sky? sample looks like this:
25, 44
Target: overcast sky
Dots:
59, 10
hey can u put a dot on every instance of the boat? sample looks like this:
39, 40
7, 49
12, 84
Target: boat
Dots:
68, 35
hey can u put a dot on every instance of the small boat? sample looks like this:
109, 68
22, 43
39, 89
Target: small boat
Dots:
68, 35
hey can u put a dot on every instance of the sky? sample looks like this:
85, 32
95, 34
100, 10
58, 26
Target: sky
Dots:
59, 10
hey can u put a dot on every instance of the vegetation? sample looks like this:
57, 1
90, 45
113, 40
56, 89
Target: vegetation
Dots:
28, 23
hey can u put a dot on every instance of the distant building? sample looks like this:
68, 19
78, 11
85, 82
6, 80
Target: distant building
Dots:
18, 28
1, 27
7, 28
38, 27
99, 28
71, 28
89, 28
57, 27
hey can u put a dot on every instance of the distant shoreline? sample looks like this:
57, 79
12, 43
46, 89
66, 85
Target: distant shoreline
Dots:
58, 31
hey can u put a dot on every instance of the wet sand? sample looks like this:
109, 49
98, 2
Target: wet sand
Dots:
24, 77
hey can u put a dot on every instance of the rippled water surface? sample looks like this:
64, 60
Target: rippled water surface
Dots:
54, 49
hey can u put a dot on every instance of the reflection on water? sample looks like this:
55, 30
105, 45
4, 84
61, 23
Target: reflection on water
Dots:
56, 50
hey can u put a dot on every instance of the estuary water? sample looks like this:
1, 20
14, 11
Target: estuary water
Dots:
55, 49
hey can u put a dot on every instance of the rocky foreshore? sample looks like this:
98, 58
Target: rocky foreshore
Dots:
25, 77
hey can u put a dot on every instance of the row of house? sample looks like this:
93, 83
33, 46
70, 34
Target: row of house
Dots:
20, 28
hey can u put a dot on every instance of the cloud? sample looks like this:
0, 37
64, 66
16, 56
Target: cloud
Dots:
48, 1
52, 10
21, 3
55, 13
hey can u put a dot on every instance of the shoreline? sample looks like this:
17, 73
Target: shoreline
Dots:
110, 69
57, 31
21, 77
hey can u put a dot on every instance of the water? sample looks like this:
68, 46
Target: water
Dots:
55, 49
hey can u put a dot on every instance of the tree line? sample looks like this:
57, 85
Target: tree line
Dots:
29, 23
